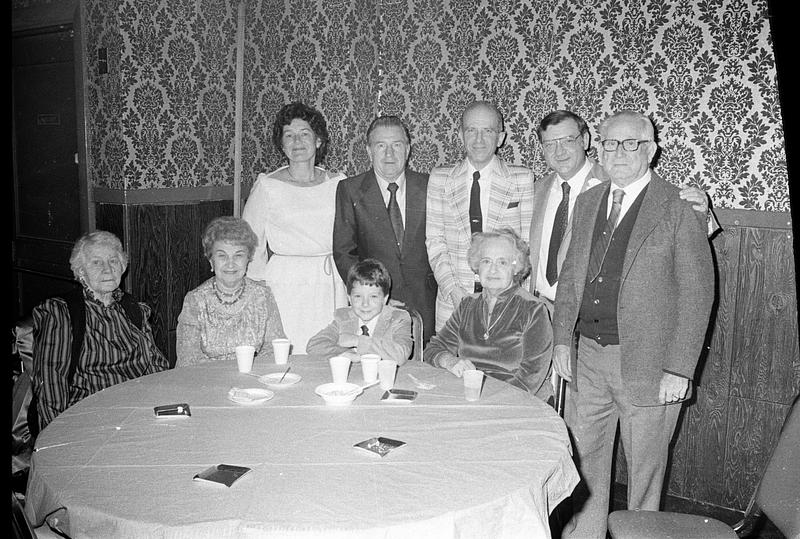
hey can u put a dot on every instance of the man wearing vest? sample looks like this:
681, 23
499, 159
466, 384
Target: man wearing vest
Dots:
637, 286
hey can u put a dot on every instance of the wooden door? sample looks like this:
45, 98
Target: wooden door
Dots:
46, 198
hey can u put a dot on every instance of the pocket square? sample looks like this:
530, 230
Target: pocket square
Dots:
513, 204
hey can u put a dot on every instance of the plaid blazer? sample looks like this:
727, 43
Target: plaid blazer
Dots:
447, 231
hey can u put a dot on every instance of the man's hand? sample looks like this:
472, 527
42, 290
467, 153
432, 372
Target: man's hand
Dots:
396, 303
561, 361
697, 197
672, 388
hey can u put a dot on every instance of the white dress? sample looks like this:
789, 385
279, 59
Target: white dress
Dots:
297, 224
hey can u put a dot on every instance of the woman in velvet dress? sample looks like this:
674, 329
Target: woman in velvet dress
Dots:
504, 330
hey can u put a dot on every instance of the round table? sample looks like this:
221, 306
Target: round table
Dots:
108, 467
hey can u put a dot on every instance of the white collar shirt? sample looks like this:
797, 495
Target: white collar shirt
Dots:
370, 325
553, 200
631, 192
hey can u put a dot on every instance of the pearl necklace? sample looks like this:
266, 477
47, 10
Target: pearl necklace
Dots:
497, 319
236, 294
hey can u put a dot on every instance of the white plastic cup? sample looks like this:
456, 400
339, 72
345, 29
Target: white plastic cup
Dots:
280, 349
340, 367
387, 368
473, 381
369, 367
244, 357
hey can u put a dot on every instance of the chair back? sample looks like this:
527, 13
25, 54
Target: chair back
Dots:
560, 395
416, 333
778, 493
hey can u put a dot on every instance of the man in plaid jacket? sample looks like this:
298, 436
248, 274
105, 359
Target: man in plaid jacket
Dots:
481, 193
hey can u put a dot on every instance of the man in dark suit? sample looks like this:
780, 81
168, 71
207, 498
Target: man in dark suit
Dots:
381, 214
637, 285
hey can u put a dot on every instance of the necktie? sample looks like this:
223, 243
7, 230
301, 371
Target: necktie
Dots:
394, 214
475, 217
601, 246
365, 330
559, 226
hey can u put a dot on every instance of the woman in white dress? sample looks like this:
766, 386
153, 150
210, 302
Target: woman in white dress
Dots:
291, 210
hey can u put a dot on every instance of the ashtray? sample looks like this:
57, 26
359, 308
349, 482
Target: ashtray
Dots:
379, 445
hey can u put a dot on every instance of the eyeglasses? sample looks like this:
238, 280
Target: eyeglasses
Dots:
501, 263
485, 132
629, 145
565, 142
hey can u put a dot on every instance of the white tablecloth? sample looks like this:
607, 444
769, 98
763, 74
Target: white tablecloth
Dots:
485, 469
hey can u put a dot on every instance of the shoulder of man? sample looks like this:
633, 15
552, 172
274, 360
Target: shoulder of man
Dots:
351, 181
414, 176
442, 173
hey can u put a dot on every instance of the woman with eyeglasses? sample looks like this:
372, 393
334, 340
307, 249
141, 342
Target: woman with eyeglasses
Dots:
503, 330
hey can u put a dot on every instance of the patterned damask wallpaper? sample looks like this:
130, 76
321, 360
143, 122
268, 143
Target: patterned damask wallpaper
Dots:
163, 116
704, 70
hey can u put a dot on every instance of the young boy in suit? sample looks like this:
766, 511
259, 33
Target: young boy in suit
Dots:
369, 325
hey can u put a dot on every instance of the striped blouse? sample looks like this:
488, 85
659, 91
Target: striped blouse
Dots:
114, 351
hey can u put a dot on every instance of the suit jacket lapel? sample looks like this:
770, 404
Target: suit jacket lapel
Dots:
650, 215
415, 203
585, 239
383, 323
500, 195
458, 195
372, 200
541, 190
596, 176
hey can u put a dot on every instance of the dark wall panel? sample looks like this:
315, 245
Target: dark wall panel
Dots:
753, 429
765, 362
150, 263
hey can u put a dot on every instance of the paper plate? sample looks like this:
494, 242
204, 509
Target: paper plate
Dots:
272, 380
251, 395
338, 394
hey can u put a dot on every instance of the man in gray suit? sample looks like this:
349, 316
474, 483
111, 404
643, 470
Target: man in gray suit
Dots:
637, 285
381, 214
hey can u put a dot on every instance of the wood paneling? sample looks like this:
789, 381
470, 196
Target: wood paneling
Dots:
150, 264
753, 429
765, 365
166, 255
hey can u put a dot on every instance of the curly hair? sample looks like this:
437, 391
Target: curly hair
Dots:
301, 111
522, 263
77, 259
229, 229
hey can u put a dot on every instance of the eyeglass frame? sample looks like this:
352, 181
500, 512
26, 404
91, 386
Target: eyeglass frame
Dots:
485, 132
623, 143
550, 146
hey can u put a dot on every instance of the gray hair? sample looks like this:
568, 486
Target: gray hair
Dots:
522, 262
646, 124
77, 260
